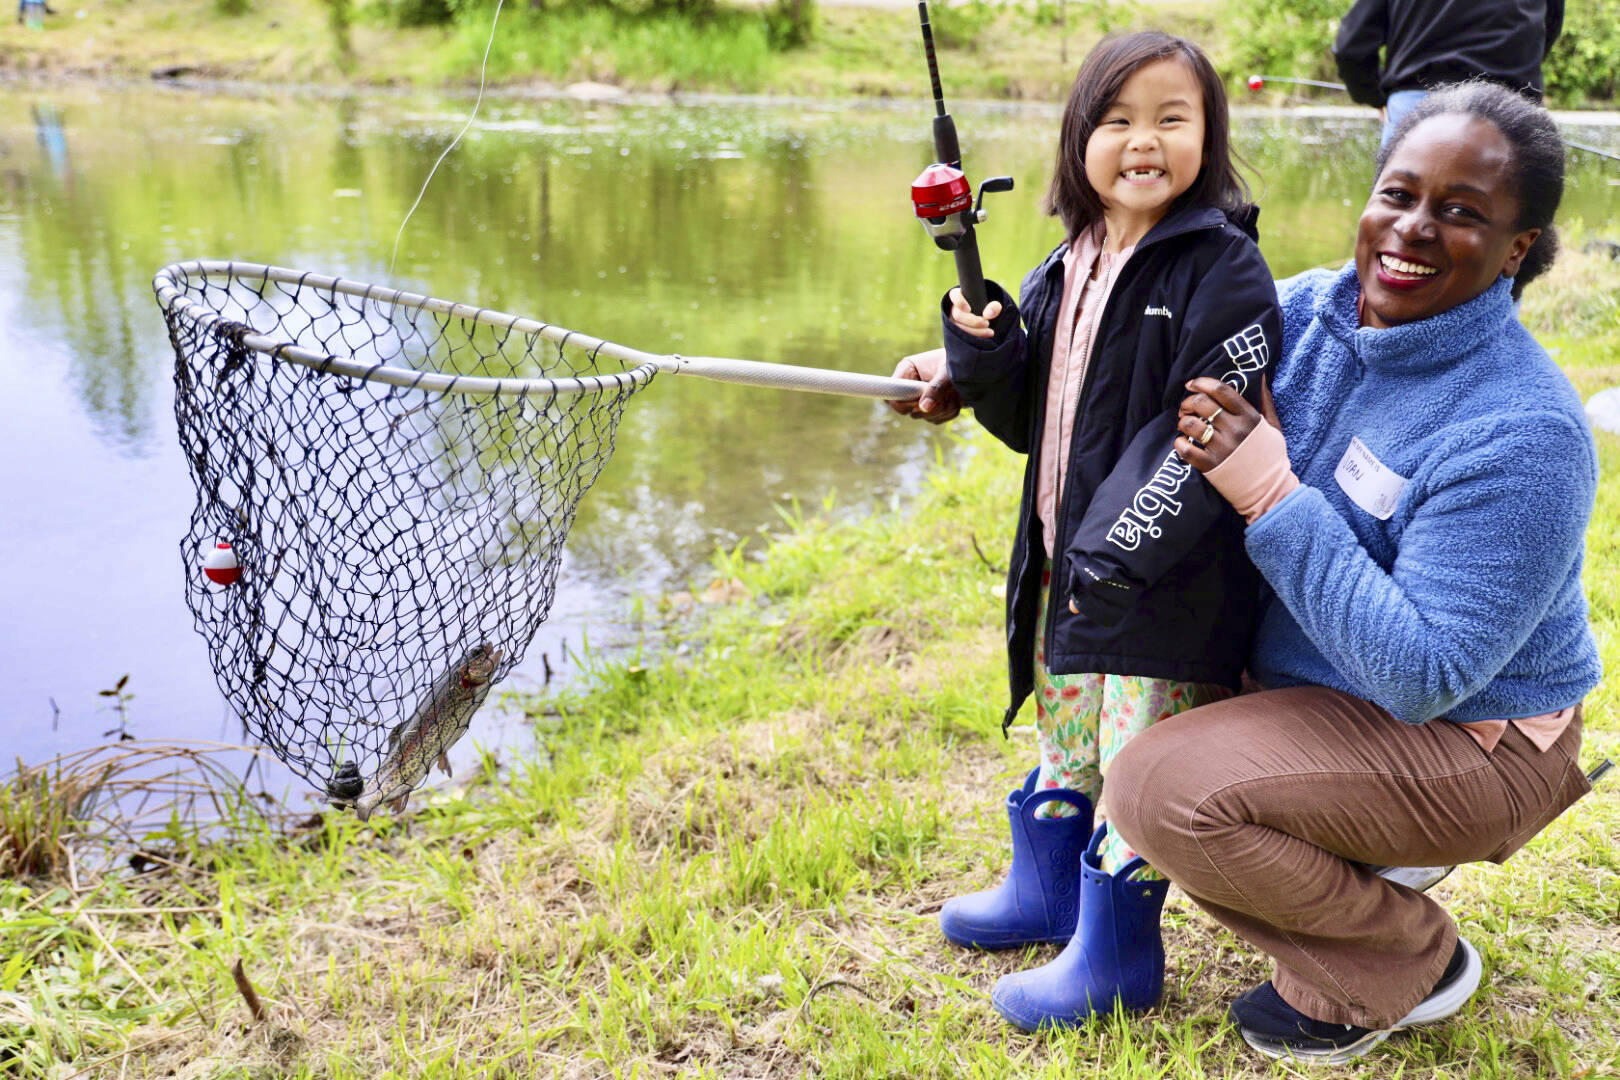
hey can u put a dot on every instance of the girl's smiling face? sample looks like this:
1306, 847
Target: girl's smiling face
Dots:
1147, 149
1442, 221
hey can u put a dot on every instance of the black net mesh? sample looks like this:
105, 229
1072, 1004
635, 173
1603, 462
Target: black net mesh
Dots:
391, 539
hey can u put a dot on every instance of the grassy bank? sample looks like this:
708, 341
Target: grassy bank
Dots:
990, 49
856, 51
730, 864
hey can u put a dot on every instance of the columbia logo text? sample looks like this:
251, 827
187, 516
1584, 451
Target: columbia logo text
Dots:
1157, 497
1158, 311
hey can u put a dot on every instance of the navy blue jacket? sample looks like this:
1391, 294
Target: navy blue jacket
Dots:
1429, 42
1150, 553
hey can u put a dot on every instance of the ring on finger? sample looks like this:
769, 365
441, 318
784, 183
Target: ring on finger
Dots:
1210, 419
1207, 434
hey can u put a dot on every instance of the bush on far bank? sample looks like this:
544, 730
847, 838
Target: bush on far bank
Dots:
1582, 68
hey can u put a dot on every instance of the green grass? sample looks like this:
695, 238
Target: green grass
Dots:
727, 51
730, 865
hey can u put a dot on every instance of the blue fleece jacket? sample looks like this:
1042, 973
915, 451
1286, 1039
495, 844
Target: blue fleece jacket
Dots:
1466, 602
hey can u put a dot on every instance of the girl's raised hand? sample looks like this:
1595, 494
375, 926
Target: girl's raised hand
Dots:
977, 325
1214, 407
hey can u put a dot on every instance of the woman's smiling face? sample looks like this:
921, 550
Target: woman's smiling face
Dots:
1442, 222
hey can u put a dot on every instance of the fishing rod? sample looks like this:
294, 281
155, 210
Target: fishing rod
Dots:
941, 194
1258, 83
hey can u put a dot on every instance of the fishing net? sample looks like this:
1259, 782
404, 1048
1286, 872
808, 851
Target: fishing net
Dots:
396, 476
383, 528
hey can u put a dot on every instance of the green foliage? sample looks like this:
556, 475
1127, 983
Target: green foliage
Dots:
412, 12
339, 17
1103, 16
1581, 69
960, 24
1284, 37
608, 44
790, 24
1107, 16
233, 7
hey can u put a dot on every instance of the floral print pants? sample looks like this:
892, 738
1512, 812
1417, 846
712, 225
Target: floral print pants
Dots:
1082, 721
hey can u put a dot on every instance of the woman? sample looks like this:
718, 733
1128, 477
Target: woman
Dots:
1419, 518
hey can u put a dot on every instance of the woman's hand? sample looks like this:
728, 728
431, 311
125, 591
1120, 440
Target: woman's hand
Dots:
1215, 419
939, 401
966, 321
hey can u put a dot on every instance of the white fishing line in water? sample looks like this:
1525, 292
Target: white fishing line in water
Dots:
482, 68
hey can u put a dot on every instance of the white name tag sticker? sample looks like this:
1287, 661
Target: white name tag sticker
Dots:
1370, 483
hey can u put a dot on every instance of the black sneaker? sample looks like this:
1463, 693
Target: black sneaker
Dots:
1277, 1029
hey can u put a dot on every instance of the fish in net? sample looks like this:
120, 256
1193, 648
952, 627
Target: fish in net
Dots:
384, 485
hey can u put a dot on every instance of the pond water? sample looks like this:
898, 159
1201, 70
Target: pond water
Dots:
770, 231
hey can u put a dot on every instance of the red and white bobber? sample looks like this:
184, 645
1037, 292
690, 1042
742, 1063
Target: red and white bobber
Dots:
220, 564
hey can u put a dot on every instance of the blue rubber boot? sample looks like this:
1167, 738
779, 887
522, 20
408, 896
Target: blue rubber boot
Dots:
1038, 901
1116, 953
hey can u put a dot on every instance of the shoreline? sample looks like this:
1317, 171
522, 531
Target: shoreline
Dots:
595, 94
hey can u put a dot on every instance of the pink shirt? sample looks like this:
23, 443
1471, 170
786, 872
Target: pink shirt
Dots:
1255, 477
1089, 274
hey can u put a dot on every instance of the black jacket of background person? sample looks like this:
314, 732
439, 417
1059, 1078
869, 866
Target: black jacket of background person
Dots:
1152, 555
1429, 42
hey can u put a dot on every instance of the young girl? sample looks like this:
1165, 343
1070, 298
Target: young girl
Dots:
1130, 597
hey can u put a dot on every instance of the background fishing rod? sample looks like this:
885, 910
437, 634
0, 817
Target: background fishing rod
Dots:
941, 194
1258, 83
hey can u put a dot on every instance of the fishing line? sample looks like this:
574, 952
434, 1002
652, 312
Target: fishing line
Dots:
482, 68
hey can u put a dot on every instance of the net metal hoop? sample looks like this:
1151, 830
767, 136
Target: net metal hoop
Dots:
171, 297
168, 284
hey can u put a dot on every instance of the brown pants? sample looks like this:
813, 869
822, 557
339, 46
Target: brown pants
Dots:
1264, 807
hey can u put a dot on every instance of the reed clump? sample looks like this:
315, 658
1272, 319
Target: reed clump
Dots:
40, 809
118, 804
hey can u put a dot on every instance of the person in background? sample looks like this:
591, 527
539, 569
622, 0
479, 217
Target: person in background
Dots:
1418, 503
1428, 42
41, 9
1129, 597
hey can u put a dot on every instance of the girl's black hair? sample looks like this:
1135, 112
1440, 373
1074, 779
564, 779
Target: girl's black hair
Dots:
1537, 164
1071, 198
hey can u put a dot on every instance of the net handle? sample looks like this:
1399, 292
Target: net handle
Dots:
168, 284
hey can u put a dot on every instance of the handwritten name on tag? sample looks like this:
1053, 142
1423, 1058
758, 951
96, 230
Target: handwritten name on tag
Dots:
1370, 483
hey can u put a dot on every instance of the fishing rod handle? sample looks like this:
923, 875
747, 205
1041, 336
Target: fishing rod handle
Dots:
946, 149
969, 274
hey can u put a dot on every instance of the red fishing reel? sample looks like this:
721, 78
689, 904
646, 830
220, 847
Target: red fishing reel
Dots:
943, 201
942, 196
940, 191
